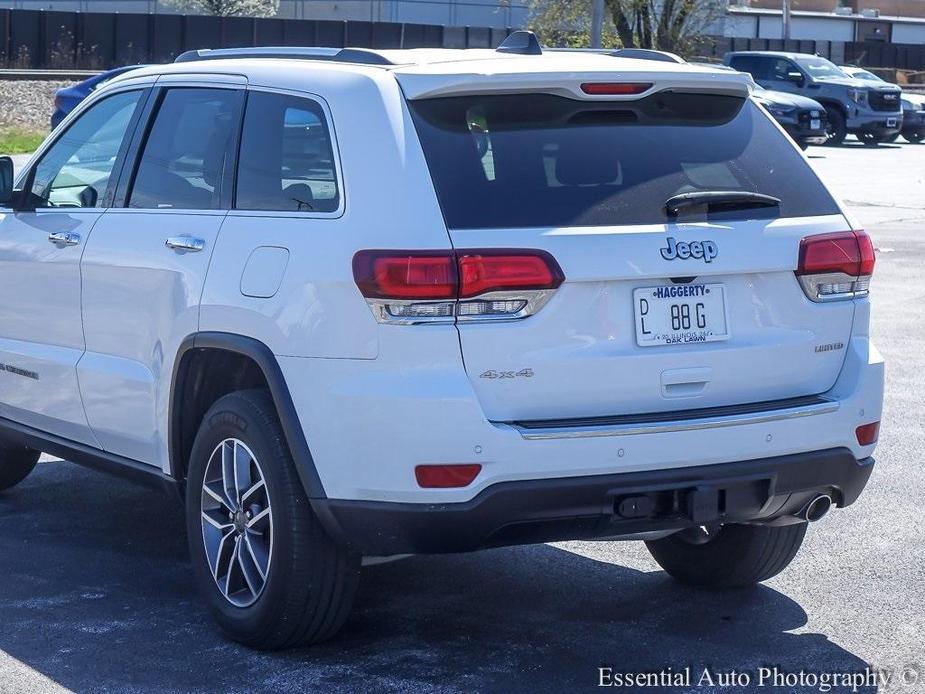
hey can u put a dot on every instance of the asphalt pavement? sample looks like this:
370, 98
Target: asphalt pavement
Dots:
97, 593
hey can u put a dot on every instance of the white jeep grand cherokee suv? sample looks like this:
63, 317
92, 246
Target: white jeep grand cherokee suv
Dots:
368, 303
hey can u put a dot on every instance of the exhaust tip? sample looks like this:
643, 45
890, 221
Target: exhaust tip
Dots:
817, 508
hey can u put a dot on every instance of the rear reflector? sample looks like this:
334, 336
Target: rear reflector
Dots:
614, 88
446, 476
868, 433
480, 284
836, 266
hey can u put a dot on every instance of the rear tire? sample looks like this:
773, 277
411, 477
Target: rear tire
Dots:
915, 137
836, 128
16, 462
735, 555
292, 584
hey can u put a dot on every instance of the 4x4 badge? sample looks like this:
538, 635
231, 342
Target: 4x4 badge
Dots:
706, 250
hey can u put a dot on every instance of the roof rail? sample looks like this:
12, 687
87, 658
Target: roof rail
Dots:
647, 54
341, 55
522, 43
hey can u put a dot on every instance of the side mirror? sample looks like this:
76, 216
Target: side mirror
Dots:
795, 76
6, 180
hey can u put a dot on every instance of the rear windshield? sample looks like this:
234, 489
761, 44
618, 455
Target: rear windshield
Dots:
539, 160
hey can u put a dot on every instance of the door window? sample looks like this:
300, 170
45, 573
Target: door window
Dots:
287, 161
76, 169
780, 68
188, 152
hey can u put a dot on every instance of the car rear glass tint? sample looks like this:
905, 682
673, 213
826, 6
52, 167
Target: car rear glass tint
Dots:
286, 161
539, 160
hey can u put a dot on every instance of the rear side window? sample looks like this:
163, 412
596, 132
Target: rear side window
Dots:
750, 64
538, 160
287, 161
187, 155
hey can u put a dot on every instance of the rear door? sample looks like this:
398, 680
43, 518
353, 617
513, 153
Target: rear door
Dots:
656, 313
144, 267
776, 77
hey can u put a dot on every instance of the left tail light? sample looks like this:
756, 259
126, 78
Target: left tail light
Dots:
836, 266
466, 285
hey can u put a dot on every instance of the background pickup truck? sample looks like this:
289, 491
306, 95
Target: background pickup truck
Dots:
871, 112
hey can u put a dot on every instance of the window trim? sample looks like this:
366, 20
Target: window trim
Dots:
335, 152
27, 178
129, 172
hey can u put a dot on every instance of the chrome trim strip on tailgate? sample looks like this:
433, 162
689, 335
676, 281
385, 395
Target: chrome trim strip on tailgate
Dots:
818, 407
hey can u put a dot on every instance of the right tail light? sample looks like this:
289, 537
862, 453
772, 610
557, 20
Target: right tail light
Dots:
836, 266
466, 285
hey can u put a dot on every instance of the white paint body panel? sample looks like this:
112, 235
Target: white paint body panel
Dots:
582, 346
375, 400
40, 327
370, 423
140, 300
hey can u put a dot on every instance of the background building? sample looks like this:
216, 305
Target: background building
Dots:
482, 13
878, 21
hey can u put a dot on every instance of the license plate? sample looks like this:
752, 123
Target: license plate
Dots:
891, 122
815, 124
680, 314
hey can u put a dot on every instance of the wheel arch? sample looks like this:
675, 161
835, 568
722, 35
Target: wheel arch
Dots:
266, 365
829, 102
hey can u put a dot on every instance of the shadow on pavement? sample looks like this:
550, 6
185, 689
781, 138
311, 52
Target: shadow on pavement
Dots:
98, 595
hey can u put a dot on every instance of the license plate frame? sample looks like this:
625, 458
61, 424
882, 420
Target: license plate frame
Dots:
648, 302
815, 124
891, 122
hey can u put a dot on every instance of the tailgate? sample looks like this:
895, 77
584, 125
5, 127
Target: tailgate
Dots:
662, 308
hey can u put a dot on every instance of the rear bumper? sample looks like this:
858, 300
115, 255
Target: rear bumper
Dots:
600, 506
368, 424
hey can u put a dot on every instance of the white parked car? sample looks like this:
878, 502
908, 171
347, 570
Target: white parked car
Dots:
370, 303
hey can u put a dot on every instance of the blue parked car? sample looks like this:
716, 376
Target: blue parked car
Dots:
67, 98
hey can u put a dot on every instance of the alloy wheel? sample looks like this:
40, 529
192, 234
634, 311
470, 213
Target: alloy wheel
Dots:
237, 522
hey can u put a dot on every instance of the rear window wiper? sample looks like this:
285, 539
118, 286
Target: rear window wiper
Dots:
719, 200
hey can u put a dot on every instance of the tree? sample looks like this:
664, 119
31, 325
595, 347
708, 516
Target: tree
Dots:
230, 8
665, 25
567, 23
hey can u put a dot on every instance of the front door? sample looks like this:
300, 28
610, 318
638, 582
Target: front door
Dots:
779, 75
41, 337
144, 269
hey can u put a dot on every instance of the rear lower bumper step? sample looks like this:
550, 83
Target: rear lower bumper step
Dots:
684, 420
525, 512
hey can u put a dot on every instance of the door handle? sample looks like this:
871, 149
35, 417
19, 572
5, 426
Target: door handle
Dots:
185, 243
64, 238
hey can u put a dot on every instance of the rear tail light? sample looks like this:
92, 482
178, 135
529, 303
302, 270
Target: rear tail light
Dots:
420, 275
836, 266
446, 476
465, 285
868, 433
